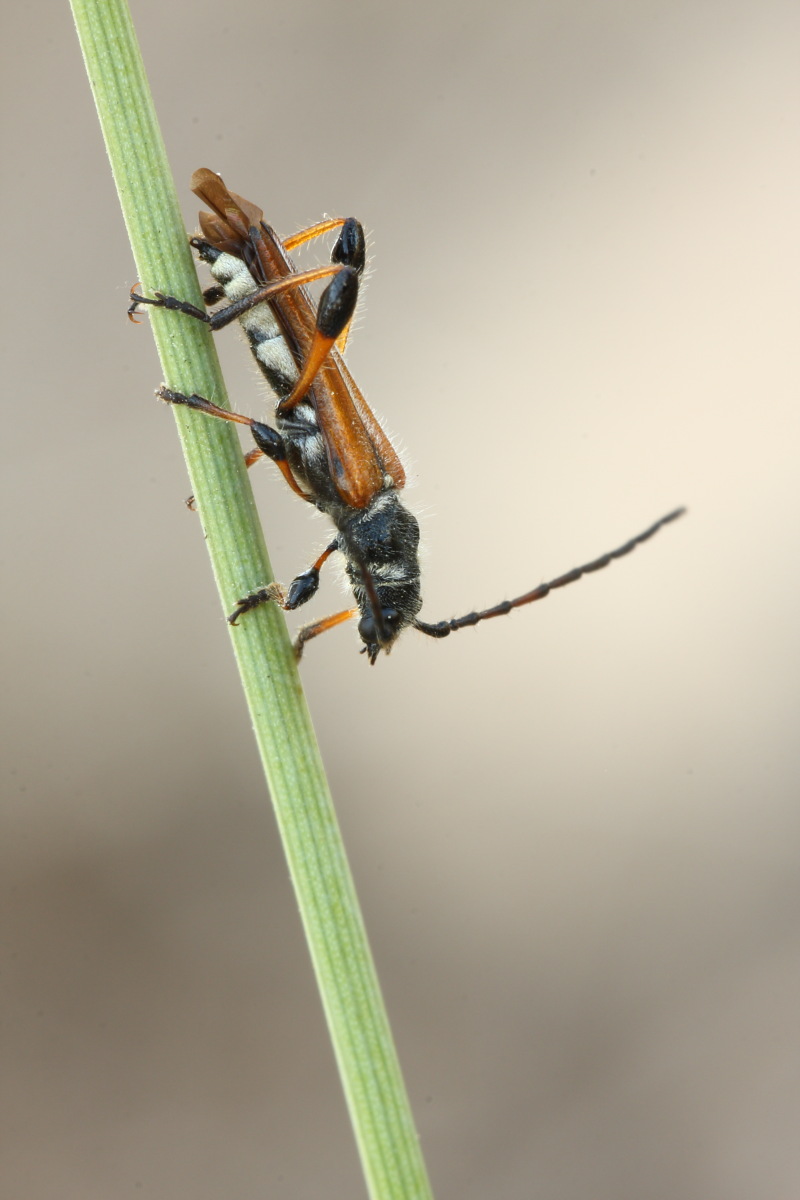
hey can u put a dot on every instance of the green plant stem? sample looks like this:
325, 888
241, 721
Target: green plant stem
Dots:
359, 1028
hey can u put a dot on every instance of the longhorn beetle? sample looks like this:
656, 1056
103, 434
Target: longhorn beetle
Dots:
326, 442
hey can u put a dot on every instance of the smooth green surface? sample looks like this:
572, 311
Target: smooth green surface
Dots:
359, 1029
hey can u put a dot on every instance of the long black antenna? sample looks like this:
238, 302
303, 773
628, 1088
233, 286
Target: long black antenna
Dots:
442, 628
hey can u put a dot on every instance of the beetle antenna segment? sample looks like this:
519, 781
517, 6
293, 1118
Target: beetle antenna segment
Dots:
442, 628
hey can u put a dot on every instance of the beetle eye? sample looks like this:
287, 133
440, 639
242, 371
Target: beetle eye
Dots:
368, 631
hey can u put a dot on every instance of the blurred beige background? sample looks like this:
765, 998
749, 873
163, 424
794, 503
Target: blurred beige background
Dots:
575, 831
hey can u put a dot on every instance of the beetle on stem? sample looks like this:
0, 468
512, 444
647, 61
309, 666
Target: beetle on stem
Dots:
326, 441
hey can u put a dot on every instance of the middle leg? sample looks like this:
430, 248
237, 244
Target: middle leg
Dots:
268, 441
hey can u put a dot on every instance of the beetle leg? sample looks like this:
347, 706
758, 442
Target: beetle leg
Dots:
313, 231
268, 441
350, 249
300, 590
334, 312
317, 627
231, 312
305, 585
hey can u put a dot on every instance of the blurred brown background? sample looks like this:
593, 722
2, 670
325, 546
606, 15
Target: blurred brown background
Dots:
574, 831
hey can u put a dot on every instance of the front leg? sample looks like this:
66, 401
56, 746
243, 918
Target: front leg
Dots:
300, 590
